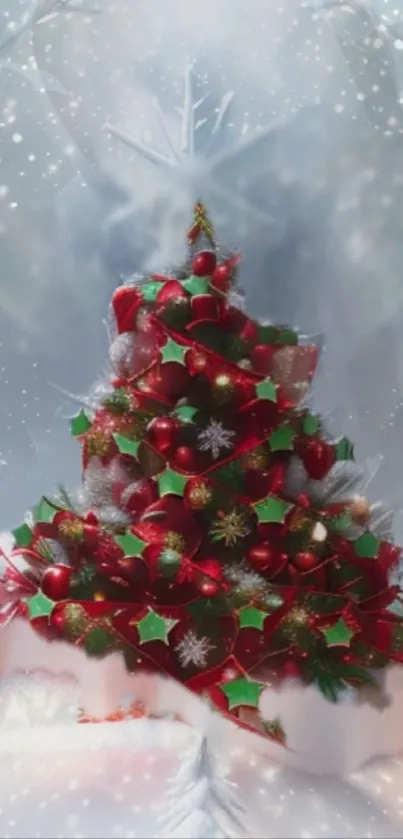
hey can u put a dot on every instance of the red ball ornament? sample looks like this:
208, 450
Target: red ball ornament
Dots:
222, 277
210, 576
171, 292
162, 433
204, 263
56, 582
136, 498
171, 380
261, 556
261, 358
186, 459
305, 561
318, 458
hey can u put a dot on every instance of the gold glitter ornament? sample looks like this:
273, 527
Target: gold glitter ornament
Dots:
72, 529
75, 621
231, 528
200, 495
97, 443
257, 459
174, 542
299, 521
297, 619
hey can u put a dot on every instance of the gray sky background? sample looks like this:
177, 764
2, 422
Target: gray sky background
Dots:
315, 204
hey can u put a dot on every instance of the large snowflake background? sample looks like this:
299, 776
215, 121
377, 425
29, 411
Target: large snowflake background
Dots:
285, 116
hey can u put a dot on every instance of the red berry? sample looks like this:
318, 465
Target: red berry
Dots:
204, 263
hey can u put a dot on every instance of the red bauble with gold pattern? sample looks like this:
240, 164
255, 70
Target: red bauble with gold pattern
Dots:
204, 263
56, 582
318, 458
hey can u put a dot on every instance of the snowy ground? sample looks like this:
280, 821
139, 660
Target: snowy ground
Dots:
160, 778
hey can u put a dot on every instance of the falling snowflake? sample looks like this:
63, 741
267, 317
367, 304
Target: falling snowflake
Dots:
230, 528
193, 650
214, 438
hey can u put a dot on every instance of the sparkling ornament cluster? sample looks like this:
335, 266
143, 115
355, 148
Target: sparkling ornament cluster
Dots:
211, 543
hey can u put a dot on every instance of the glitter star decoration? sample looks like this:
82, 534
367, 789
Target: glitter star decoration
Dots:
215, 438
230, 528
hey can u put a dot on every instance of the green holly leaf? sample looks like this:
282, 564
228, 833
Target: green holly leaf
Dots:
338, 635
150, 290
341, 523
39, 606
196, 285
172, 351
186, 413
287, 337
310, 425
45, 511
266, 334
97, 641
251, 618
344, 449
272, 510
131, 544
282, 439
367, 545
126, 446
79, 424
171, 483
154, 627
22, 536
266, 390
242, 693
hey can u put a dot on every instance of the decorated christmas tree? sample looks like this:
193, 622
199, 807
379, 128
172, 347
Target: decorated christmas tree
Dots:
218, 535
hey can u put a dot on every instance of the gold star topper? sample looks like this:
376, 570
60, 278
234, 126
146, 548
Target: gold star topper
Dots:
201, 225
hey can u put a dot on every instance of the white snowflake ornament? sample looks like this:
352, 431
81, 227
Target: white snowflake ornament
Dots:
193, 649
215, 438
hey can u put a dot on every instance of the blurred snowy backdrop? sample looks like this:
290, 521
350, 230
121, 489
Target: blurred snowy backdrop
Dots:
298, 153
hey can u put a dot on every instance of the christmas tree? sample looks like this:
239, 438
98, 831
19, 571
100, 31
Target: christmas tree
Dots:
217, 534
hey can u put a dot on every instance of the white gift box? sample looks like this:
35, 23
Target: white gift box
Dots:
321, 737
